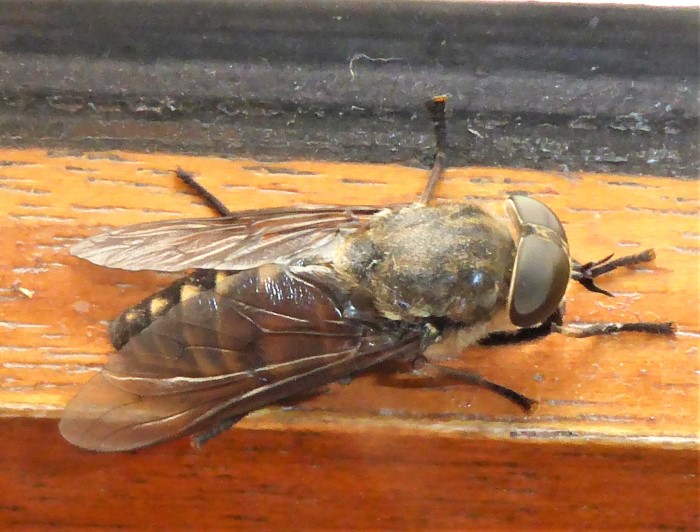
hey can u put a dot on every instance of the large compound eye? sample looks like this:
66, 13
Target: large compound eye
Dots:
542, 266
523, 210
540, 278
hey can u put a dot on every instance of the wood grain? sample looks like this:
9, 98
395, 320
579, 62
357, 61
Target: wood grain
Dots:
619, 412
366, 479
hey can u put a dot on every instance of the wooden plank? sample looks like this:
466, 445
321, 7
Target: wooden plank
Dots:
358, 479
628, 384
617, 415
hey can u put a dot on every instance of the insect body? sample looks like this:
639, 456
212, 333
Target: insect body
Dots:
287, 300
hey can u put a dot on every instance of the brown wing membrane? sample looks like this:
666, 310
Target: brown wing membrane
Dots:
261, 335
247, 240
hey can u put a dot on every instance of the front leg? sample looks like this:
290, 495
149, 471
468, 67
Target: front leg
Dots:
527, 334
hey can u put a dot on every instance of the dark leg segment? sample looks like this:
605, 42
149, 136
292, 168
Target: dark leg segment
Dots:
524, 335
434, 370
199, 439
212, 201
436, 108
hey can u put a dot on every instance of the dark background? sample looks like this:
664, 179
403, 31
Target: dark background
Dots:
561, 88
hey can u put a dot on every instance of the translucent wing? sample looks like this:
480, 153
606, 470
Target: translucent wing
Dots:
246, 240
261, 335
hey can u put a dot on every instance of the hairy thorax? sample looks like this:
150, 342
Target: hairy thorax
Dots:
449, 261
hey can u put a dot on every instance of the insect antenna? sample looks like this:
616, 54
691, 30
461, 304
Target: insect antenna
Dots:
585, 273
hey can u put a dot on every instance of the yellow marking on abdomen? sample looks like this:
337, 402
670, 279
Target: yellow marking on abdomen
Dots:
222, 281
188, 291
157, 305
131, 315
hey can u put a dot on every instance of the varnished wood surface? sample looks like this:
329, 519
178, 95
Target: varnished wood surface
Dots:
362, 479
617, 419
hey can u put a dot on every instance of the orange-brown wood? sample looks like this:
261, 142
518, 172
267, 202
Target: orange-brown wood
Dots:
366, 479
617, 416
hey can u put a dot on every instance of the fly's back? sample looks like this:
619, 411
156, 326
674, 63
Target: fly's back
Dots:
450, 261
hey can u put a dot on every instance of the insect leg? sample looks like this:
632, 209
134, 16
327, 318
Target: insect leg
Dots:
555, 324
435, 370
600, 329
212, 201
199, 439
436, 107
527, 334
